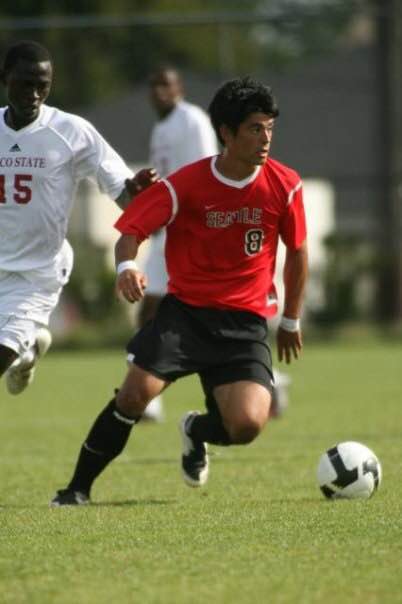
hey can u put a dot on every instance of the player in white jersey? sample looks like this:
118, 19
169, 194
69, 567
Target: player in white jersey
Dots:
44, 153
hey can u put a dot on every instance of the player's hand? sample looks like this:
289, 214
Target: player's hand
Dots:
131, 285
289, 344
142, 180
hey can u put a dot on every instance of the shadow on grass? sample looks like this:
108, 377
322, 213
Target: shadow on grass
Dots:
296, 501
149, 461
93, 504
216, 456
133, 503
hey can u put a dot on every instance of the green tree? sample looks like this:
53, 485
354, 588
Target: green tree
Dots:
115, 45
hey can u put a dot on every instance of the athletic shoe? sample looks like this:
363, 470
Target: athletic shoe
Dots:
21, 372
194, 460
69, 497
280, 395
43, 341
154, 411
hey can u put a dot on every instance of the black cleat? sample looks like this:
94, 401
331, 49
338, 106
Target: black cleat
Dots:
194, 460
69, 497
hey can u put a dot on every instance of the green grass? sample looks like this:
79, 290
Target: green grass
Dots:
260, 531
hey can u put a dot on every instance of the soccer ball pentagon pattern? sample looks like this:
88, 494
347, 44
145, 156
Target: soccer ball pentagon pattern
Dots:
349, 470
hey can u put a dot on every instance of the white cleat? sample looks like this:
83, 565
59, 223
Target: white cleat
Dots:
154, 411
21, 372
194, 459
43, 341
280, 394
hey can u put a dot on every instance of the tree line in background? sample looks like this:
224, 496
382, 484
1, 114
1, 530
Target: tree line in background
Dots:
114, 46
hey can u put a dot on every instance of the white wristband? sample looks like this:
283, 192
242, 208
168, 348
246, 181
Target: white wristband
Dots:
125, 265
289, 324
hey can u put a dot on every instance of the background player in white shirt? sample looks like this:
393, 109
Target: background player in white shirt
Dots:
44, 153
183, 134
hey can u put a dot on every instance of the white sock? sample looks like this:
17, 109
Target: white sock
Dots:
154, 409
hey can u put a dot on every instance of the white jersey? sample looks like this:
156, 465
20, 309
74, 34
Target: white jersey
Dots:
184, 136
40, 168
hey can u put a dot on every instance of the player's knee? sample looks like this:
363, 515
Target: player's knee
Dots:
244, 431
132, 402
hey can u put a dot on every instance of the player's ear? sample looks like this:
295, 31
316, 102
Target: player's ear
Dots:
225, 133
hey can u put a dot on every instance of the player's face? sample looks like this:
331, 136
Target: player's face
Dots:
252, 141
166, 91
28, 86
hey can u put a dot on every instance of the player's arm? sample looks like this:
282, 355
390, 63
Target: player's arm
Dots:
131, 282
94, 158
150, 211
289, 334
140, 181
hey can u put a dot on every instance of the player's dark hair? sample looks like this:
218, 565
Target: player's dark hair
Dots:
236, 100
27, 50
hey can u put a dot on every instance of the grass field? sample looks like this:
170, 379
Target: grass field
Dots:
260, 531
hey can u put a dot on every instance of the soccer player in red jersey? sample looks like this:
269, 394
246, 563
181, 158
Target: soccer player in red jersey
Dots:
223, 217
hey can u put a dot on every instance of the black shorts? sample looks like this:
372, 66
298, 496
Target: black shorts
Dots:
222, 346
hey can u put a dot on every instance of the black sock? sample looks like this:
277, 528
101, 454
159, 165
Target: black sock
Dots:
209, 428
105, 441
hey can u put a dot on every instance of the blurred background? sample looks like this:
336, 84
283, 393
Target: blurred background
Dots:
336, 69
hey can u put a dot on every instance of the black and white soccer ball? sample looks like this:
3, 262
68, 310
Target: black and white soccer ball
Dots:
349, 470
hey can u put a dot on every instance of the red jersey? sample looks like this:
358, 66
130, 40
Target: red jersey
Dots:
222, 234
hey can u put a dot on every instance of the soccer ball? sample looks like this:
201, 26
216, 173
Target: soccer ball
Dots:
349, 470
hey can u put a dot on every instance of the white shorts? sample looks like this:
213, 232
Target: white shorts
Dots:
27, 299
155, 265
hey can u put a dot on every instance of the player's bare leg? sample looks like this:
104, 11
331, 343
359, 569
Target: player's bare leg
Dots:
244, 407
237, 414
139, 387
